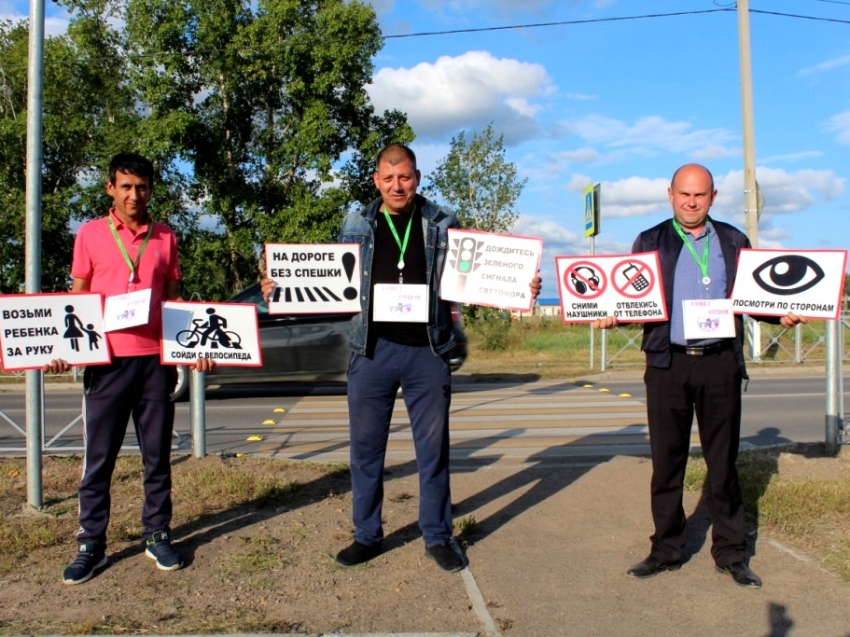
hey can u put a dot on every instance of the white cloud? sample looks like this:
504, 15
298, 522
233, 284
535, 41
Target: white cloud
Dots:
634, 197
791, 157
580, 97
502, 6
826, 66
840, 124
382, 7
653, 134
53, 26
465, 92
717, 152
578, 183
578, 156
784, 192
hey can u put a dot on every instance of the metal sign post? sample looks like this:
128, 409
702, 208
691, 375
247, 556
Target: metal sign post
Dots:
35, 100
591, 229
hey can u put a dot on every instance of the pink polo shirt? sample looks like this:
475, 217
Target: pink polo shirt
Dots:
98, 259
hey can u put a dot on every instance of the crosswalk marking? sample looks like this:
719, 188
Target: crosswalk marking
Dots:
528, 421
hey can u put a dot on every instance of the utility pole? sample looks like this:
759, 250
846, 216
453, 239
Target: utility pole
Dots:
747, 130
35, 100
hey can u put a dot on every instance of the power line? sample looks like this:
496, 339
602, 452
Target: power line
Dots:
723, 9
800, 17
846, 4
555, 24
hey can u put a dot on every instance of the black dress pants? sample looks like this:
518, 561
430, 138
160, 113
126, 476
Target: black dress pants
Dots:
129, 386
710, 387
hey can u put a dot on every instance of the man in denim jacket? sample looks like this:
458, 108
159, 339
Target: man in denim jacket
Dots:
401, 339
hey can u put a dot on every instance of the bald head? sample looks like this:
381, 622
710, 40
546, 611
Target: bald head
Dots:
692, 167
691, 195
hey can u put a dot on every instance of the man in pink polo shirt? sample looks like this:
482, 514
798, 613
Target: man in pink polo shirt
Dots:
126, 254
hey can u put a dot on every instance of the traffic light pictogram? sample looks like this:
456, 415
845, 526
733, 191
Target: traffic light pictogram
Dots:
465, 258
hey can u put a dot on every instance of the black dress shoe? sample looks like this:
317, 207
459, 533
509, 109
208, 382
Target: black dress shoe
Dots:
448, 556
651, 567
357, 553
741, 574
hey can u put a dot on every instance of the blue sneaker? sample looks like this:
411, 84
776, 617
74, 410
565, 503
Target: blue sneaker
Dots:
90, 557
159, 548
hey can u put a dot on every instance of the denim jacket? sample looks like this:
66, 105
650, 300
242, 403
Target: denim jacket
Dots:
359, 227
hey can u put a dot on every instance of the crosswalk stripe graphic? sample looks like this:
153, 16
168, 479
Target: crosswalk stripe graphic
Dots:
324, 294
528, 422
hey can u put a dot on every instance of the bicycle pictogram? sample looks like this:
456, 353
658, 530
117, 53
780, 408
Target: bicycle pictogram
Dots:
212, 331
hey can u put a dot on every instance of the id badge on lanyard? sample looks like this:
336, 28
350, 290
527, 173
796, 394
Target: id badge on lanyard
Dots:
400, 303
126, 310
133, 308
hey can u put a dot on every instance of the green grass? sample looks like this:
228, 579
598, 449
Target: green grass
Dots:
810, 513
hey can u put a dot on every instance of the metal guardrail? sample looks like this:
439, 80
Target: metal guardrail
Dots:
804, 343
183, 441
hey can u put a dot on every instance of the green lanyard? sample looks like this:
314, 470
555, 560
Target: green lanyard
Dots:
130, 263
402, 246
702, 263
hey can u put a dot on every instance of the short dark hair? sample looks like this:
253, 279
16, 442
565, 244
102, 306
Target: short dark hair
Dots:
132, 164
395, 153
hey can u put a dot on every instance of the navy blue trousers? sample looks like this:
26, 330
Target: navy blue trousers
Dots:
709, 386
425, 380
129, 386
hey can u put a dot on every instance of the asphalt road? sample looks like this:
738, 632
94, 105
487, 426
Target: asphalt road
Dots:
777, 409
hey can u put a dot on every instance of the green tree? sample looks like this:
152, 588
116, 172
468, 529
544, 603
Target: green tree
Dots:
82, 111
478, 182
265, 102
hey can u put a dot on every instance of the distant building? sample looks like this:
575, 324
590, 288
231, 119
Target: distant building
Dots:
549, 308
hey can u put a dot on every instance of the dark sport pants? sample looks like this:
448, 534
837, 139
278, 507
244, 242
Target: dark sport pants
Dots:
709, 386
129, 386
426, 384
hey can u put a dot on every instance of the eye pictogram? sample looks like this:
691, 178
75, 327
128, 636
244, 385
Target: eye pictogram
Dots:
788, 274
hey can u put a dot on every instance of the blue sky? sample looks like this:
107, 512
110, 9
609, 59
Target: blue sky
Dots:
624, 103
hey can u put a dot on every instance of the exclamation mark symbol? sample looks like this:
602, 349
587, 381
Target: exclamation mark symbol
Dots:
348, 263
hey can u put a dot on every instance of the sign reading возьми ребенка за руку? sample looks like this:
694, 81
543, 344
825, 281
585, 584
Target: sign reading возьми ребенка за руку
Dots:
808, 283
626, 286
38, 328
226, 333
495, 270
314, 278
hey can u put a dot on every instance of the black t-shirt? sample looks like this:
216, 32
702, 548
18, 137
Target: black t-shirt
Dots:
385, 270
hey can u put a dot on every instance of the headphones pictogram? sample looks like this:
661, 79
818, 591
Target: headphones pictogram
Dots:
581, 286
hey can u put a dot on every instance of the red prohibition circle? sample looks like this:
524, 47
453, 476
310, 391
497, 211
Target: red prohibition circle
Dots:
570, 274
630, 289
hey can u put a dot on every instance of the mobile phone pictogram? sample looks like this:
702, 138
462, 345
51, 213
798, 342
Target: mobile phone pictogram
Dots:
640, 282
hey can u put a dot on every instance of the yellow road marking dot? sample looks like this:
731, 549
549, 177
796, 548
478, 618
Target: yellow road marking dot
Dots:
241, 455
587, 386
269, 422
254, 438
625, 395
279, 410
603, 389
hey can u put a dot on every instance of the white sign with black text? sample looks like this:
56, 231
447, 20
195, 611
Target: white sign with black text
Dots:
226, 333
494, 270
808, 283
38, 328
627, 286
314, 278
